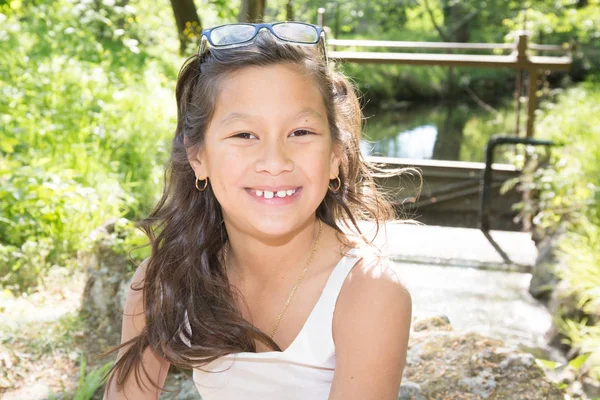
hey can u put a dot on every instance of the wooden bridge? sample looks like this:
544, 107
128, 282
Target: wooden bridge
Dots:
454, 193
451, 193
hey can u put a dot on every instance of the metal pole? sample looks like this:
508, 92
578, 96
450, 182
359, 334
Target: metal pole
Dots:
485, 206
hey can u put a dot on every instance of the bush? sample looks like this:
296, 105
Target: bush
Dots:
86, 116
570, 196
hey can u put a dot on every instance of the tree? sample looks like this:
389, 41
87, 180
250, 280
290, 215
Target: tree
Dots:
188, 22
289, 10
252, 11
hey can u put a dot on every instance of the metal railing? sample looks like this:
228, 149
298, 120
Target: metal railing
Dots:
485, 206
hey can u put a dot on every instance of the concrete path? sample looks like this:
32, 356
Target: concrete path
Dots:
460, 247
479, 281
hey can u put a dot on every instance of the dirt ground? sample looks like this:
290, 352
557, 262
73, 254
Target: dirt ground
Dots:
42, 338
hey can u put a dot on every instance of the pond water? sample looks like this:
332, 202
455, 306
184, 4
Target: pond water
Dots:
439, 131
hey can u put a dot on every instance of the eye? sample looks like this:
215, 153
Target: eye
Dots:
243, 135
302, 132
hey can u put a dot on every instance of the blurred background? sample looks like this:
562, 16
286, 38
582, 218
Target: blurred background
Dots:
87, 113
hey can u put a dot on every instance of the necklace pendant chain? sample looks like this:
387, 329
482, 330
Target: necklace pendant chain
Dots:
287, 303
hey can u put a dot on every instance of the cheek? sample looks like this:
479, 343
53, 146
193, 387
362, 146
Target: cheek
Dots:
225, 170
318, 166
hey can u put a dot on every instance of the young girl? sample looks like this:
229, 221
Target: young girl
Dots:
260, 279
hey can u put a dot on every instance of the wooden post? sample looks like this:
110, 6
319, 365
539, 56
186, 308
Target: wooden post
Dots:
522, 43
321, 16
532, 100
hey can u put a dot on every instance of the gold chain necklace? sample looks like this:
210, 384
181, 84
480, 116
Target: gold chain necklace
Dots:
297, 283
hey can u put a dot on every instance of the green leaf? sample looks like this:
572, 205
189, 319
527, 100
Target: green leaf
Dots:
547, 364
578, 361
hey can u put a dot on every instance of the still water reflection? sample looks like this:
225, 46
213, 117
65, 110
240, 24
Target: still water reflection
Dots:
444, 131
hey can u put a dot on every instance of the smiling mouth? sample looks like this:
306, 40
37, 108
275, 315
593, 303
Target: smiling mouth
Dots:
267, 194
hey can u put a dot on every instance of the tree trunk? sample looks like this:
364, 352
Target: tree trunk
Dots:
457, 31
252, 11
188, 22
289, 10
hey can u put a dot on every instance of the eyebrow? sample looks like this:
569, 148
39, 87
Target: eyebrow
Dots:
236, 116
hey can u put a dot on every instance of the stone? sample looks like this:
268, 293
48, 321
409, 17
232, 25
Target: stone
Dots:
591, 387
447, 364
410, 391
439, 323
543, 277
109, 274
180, 387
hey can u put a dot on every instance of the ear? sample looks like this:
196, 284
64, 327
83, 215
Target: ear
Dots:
336, 160
196, 159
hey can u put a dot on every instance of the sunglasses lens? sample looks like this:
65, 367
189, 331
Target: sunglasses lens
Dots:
232, 34
295, 32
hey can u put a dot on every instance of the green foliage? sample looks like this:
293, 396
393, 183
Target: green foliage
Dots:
570, 189
563, 22
126, 239
84, 132
586, 338
569, 195
90, 383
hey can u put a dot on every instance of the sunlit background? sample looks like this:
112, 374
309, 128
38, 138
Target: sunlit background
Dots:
87, 112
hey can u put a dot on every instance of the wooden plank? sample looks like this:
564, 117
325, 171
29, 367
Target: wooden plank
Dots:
412, 162
548, 47
458, 60
420, 45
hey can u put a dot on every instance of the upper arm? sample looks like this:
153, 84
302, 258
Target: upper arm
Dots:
134, 321
371, 326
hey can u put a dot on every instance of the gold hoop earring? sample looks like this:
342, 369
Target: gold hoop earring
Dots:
338, 186
205, 184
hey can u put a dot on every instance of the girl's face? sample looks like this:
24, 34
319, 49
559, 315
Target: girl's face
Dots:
268, 151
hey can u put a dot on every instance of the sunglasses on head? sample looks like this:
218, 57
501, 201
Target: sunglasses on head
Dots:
236, 35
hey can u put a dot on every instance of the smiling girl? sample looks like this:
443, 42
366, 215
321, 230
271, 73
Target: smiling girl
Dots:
260, 279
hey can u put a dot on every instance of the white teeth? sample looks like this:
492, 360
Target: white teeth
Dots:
269, 195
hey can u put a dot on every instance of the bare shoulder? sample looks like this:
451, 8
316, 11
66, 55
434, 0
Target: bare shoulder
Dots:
371, 283
133, 312
371, 327
139, 275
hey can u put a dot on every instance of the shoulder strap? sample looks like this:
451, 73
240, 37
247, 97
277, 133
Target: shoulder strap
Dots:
316, 342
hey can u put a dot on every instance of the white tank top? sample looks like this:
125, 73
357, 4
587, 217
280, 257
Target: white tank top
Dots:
303, 371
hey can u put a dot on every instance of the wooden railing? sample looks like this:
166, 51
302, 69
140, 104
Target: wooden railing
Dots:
520, 58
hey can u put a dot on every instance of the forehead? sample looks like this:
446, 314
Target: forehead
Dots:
272, 91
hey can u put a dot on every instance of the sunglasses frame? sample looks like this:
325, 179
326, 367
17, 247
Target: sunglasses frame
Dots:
206, 33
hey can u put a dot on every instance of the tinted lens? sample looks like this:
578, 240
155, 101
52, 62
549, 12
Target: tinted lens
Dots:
231, 34
296, 32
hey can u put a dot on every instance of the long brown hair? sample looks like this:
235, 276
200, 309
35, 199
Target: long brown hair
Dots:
184, 273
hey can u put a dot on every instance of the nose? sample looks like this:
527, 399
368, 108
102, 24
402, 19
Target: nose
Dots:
274, 158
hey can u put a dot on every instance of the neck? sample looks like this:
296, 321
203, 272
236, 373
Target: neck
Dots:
266, 261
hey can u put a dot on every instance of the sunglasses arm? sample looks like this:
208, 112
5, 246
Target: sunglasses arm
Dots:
202, 47
324, 46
